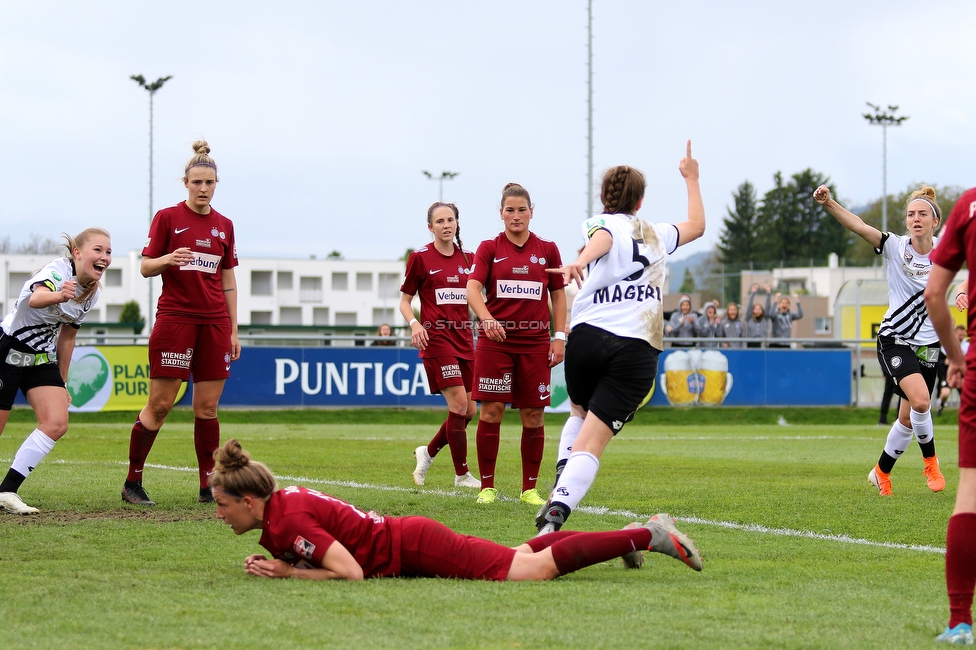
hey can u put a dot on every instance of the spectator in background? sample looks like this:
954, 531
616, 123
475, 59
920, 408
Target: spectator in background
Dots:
757, 325
731, 327
706, 327
385, 332
782, 319
682, 323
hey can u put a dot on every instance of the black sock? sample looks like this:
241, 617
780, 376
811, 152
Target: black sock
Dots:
560, 466
928, 449
12, 481
886, 463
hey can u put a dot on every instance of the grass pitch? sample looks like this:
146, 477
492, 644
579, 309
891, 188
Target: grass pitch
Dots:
799, 551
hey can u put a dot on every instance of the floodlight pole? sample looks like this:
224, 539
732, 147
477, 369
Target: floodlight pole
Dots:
445, 176
884, 119
151, 88
589, 109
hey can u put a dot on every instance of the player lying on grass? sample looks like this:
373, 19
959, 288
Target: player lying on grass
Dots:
315, 536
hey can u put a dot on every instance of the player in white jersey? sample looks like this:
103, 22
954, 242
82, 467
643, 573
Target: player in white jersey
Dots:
617, 328
908, 347
37, 338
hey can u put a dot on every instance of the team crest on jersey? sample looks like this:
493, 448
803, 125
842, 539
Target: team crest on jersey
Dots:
214, 231
542, 261
222, 236
87, 305
303, 547
895, 362
533, 259
544, 391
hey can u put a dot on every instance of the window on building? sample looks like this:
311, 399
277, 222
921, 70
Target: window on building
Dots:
17, 281
113, 313
285, 280
822, 325
346, 318
364, 282
320, 316
260, 318
261, 283
381, 316
113, 278
389, 285
340, 281
310, 288
290, 316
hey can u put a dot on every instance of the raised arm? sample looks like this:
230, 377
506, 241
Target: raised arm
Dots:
848, 219
689, 231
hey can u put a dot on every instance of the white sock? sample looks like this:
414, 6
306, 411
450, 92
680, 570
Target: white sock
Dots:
922, 425
566, 439
576, 479
899, 438
32, 452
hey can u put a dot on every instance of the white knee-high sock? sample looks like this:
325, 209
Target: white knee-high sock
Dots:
899, 438
922, 426
576, 479
568, 436
32, 452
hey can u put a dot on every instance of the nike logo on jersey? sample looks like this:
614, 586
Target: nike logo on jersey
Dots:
437, 271
179, 230
500, 259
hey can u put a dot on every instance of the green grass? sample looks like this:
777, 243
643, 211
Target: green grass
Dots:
769, 506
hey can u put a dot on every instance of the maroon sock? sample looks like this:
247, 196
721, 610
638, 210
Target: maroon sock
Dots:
458, 437
533, 446
439, 441
539, 543
487, 442
206, 439
582, 550
961, 567
140, 443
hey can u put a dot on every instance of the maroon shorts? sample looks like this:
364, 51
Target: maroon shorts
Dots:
967, 415
444, 372
430, 549
517, 377
179, 349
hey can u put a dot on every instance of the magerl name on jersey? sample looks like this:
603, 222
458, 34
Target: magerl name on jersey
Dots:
638, 292
520, 289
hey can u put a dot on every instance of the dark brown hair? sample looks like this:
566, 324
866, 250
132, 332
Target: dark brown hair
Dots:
457, 220
515, 190
623, 188
238, 475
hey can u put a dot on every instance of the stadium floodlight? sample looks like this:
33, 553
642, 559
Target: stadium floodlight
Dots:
445, 176
884, 119
151, 88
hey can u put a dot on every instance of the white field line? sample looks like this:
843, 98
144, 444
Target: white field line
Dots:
602, 510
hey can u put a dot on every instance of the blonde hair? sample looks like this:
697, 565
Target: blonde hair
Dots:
238, 475
927, 194
201, 157
78, 241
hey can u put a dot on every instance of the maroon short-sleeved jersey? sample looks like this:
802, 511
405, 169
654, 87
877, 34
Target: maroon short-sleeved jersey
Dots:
193, 292
958, 244
517, 286
300, 524
440, 281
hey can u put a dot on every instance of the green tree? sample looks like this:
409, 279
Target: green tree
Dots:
687, 282
737, 238
713, 282
132, 314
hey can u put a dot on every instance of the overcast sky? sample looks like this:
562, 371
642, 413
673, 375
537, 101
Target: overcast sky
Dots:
322, 115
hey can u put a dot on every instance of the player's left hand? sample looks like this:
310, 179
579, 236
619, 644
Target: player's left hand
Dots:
557, 352
269, 568
962, 302
235, 347
688, 165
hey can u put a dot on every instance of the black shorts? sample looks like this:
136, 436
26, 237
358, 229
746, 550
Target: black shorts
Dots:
608, 375
899, 360
13, 376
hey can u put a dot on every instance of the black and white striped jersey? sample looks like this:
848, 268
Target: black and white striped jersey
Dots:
907, 318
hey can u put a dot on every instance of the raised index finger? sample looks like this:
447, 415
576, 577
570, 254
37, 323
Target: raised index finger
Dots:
688, 153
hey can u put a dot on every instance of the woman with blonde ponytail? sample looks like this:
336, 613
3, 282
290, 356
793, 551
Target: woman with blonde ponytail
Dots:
37, 338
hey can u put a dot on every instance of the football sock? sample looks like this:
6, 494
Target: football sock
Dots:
12, 481
585, 549
206, 439
533, 447
439, 440
924, 432
961, 567
32, 451
487, 444
899, 437
539, 543
458, 439
140, 443
576, 479
566, 439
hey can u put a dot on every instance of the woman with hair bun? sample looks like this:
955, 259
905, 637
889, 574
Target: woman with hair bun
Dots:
314, 536
908, 346
618, 327
438, 273
192, 247
37, 338
514, 358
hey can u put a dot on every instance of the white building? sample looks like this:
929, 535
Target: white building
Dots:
307, 292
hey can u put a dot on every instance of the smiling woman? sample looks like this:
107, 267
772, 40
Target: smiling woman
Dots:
36, 341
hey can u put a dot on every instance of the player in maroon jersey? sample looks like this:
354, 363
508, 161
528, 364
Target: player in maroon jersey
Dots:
192, 247
438, 273
316, 536
514, 355
956, 247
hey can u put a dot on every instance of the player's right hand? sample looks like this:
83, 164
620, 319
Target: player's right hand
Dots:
822, 194
180, 257
68, 290
419, 336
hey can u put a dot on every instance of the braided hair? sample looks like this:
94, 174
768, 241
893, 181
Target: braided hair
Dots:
623, 188
457, 230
